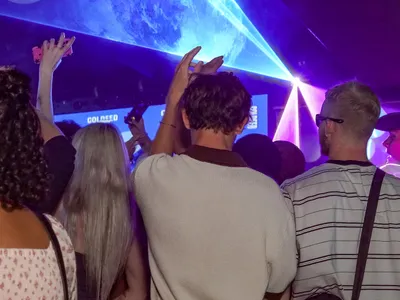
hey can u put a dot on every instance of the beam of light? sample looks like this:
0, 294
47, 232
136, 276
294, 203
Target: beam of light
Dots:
238, 18
288, 128
313, 97
170, 26
296, 81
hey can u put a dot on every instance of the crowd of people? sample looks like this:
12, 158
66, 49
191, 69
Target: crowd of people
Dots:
201, 215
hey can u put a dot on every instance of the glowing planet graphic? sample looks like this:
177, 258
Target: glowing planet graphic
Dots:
172, 26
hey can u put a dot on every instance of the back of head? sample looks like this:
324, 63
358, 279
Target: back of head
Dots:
68, 128
293, 160
23, 171
260, 154
357, 105
99, 194
216, 102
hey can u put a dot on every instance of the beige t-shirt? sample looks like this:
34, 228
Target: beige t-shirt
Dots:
215, 232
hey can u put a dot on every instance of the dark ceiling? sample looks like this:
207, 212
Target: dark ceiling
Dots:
361, 35
321, 43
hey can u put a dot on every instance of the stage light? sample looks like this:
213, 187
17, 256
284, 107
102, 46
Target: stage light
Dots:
296, 81
313, 97
288, 128
170, 26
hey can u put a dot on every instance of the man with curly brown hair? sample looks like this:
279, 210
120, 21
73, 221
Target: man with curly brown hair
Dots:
217, 229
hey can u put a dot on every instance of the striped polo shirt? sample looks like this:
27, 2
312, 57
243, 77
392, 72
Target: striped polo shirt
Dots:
329, 204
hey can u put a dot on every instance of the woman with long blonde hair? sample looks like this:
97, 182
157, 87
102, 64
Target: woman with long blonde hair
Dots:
97, 211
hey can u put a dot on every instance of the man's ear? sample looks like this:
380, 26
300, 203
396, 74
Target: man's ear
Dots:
330, 127
185, 119
239, 129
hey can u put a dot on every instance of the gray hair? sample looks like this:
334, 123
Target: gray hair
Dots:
357, 105
99, 196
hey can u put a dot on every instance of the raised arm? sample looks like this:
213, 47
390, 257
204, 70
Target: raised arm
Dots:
52, 54
139, 136
166, 134
58, 151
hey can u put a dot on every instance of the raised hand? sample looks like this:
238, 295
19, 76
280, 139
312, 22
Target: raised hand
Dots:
51, 58
53, 52
181, 77
209, 68
137, 129
183, 74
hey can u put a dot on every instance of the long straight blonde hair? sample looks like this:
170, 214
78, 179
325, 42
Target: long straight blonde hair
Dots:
99, 198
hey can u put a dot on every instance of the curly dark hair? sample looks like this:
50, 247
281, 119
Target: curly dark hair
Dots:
219, 102
24, 176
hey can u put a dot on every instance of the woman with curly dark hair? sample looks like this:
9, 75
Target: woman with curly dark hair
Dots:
32, 261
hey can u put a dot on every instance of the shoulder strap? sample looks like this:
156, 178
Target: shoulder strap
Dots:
366, 232
57, 250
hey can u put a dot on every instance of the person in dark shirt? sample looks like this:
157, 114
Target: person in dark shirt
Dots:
58, 151
293, 160
260, 154
60, 157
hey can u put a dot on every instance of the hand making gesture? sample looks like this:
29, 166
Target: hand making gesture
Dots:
53, 52
166, 135
183, 74
51, 58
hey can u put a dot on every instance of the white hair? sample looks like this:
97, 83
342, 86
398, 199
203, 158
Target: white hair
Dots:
99, 196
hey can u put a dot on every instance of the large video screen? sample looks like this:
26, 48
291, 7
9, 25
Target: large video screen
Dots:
171, 26
153, 115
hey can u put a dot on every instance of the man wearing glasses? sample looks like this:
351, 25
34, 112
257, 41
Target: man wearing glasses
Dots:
329, 203
391, 124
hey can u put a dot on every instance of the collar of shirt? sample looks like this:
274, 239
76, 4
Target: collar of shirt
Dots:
215, 156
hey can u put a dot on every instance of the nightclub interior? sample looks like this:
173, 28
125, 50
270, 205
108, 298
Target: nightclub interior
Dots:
286, 52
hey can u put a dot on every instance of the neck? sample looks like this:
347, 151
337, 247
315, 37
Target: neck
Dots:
211, 139
349, 153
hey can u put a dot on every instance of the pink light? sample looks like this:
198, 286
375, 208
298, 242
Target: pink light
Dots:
288, 128
313, 96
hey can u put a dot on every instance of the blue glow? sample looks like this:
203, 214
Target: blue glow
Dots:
171, 26
371, 148
153, 116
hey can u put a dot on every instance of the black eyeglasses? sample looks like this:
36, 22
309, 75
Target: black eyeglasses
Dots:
319, 119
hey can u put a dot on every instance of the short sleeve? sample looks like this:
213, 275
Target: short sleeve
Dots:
283, 262
60, 158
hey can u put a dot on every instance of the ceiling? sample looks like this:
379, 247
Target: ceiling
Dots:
362, 36
322, 44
